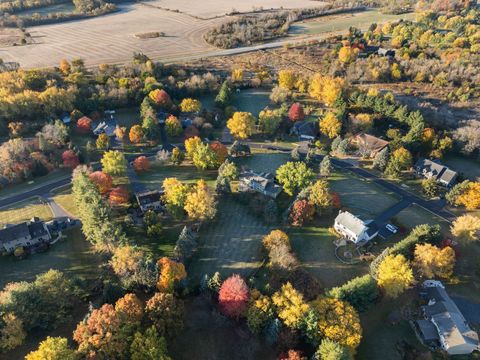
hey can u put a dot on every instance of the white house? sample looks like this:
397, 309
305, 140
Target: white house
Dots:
261, 182
354, 228
24, 234
444, 324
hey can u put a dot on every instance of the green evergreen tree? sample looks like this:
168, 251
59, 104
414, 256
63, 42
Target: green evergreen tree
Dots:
326, 167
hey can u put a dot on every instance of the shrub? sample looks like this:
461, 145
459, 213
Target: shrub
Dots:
361, 292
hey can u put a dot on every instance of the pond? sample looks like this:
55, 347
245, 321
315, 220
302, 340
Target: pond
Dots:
250, 100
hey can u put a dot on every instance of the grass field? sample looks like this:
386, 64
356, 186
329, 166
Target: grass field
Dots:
250, 100
72, 255
58, 8
362, 197
64, 198
469, 168
339, 22
415, 215
23, 211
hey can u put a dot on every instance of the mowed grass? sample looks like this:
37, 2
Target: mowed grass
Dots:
73, 255
361, 197
66, 200
415, 215
469, 168
24, 211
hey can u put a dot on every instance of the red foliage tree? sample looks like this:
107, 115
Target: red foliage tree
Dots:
191, 131
161, 98
220, 150
119, 195
84, 125
233, 296
302, 211
336, 202
291, 355
103, 181
296, 112
70, 159
141, 163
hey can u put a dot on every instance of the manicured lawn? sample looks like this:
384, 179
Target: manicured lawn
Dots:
250, 100
467, 167
161, 246
127, 116
64, 198
361, 197
263, 160
315, 249
25, 211
415, 215
72, 255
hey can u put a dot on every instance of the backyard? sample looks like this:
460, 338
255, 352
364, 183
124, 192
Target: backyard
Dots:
24, 211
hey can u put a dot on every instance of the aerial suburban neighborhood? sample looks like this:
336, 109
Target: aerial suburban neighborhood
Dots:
254, 180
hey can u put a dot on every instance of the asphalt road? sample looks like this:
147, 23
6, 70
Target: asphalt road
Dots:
434, 206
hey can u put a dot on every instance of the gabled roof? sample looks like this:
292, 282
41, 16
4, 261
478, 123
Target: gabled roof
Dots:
148, 197
13, 232
438, 171
373, 143
351, 222
306, 128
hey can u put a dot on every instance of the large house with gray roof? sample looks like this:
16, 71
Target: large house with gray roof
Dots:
431, 169
444, 324
354, 228
261, 182
25, 234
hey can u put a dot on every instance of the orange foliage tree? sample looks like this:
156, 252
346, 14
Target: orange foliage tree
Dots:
141, 163
220, 150
84, 125
103, 181
169, 272
119, 195
233, 296
296, 112
160, 98
136, 134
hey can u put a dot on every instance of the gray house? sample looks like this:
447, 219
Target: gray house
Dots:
23, 235
150, 200
305, 130
444, 324
431, 169
354, 228
261, 182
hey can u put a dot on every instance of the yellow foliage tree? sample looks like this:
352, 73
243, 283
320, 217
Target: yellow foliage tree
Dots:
241, 125
347, 54
320, 195
470, 197
394, 275
326, 88
200, 203
191, 144
237, 75
466, 227
290, 305
12, 333
287, 79
330, 125
136, 134
169, 272
338, 321
431, 261
175, 192
275, 239
53, 348
190, 105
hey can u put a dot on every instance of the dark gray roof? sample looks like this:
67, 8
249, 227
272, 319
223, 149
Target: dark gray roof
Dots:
427, 329
306, 128
438, 171
37, 229
148, 197
13, 232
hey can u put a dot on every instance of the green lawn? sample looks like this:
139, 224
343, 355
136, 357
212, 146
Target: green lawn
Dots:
128, 116
415, 215
469, 168
362, 197
250, 100
23, 211
263, 160
72, 255
65, 199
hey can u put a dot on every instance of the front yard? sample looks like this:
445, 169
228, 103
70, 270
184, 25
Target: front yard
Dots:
24, 211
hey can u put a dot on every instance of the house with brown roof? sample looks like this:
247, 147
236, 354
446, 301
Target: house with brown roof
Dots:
368, 145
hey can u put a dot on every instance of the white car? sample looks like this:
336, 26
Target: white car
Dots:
391, 228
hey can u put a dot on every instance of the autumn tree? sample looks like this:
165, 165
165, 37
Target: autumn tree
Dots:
347, 54
301, 212
296, 113
190, 105
241, 124
326, 89
330, 125
331, 350
269, 121
466, 227
233, 297
170, 272
287, 79
220, 150
12, 333
175, 194
260, 311
470, 197
319, 195
430, 187
290, 306
291, 355
120, 133
129, 309
119, 195
141, 163
200, 203
228, 170
84, 125
191, 145
133, 267
55, 133
294, 176
103, 141
173, 126
64, 66
338, 321
136, 134
161, 98
401, 159
70, 159
166, 312
394, 275
237, 75
103, 181
149, 345
114, 162
53, 348
204, 157
431, 261
279, 250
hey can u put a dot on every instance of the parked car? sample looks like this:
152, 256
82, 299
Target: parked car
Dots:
392, 228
